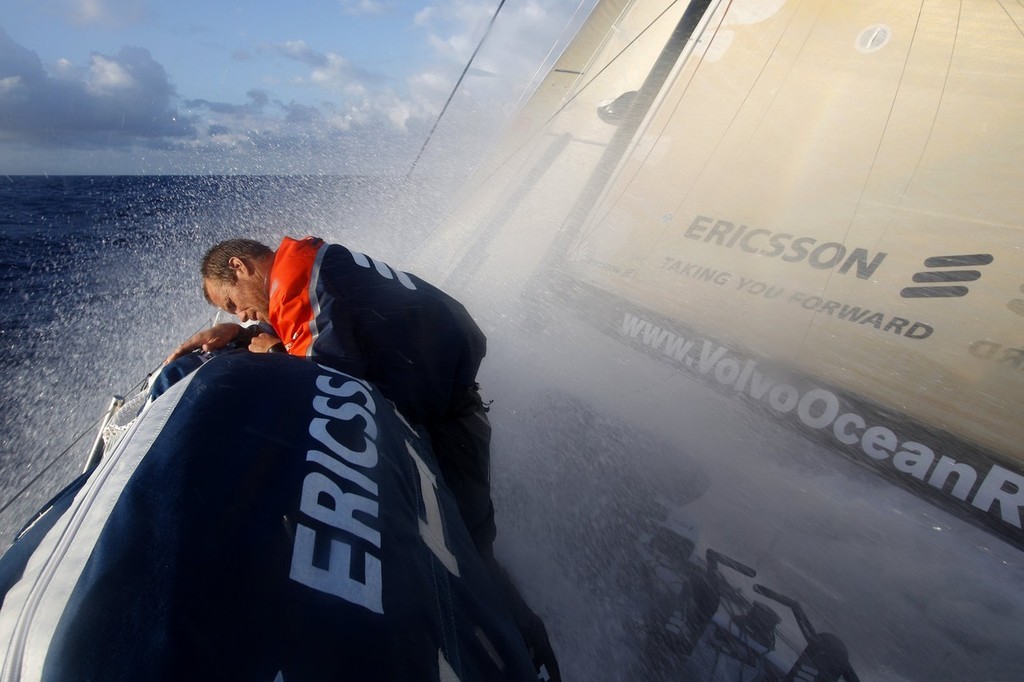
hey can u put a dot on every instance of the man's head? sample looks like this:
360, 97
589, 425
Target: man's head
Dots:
235, 275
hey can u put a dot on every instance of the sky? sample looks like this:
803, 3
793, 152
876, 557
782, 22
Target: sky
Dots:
311, 86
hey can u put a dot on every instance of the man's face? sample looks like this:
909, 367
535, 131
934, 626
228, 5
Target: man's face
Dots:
247, 298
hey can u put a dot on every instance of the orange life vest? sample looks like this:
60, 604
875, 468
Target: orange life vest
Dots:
291, 307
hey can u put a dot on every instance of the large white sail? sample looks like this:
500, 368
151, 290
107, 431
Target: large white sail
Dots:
821, 197
810, 207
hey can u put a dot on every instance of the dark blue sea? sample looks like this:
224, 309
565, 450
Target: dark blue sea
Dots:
98, 282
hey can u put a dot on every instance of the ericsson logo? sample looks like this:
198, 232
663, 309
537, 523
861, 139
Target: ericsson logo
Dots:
944, 282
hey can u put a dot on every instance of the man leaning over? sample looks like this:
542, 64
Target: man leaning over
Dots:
417, 344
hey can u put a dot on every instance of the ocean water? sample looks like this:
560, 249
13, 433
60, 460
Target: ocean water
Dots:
98, 283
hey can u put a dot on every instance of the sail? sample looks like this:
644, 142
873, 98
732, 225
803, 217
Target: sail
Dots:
817, 192
812, 205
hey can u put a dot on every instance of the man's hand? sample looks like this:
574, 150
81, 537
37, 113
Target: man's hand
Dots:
213, 338
262, 343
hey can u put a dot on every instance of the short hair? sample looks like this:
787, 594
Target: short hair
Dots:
215, 263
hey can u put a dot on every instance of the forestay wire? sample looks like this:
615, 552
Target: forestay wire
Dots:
455, 89
569, 100
94, 427
61, 455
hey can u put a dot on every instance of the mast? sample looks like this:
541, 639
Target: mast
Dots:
627, 129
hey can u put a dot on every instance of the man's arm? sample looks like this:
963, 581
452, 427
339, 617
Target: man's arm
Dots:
213, 338
265, 342
254, 337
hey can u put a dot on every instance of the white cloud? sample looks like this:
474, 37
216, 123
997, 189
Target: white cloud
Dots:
127, 98
399, 114
335, 71
356, 89
10, 84
429, 84
127, 95
64, 69
456, 48
107, 76
453, 28
425, 16
328, 70
520, 39
300, 51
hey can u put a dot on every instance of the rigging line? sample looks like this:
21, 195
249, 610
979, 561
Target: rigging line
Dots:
760, 74
53, 461
685, 35
874, 158
558, 41
596, 222
524, 94
1010, 16
935, 118
576, 94
789, 73
95, 425
455, 89
764, 66
133, 391
803, 46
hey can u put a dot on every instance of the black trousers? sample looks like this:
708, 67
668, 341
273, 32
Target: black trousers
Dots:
462, 445
461, 441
